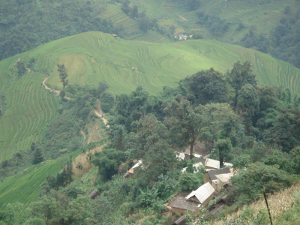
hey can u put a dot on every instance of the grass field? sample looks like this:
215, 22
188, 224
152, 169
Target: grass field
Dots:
24, 187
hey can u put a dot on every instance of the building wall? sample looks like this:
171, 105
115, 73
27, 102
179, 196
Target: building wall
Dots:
205, 203
177, 210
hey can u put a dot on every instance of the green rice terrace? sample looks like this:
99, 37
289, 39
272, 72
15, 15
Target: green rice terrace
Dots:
123, 64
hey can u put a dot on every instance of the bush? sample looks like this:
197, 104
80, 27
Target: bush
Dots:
257, 178
189, 181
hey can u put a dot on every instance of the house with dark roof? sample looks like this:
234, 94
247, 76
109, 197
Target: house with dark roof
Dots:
218, 178
181, 205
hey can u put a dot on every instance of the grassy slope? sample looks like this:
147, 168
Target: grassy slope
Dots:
24, 187
284, 207
29, 109
93, 57
262, 14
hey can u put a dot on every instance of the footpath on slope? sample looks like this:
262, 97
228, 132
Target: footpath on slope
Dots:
97, 112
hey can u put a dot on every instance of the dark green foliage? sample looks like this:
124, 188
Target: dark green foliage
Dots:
281, 161
213, 23
63, 74
21, 69
25, 24
285, 131
183, 122
255, 41
190, 181
240, 75
108, 162
37, 156
224, 147
193, 4
118, 136
207, 86
158, 160
107, 101
258, 178
283, 42
296, 159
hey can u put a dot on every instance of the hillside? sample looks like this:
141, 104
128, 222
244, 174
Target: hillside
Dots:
93, 57
264, 15
25, 25
283, 207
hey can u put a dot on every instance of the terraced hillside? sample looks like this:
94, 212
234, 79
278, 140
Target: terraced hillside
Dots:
29, 108
93, 57
260, 15
24, 187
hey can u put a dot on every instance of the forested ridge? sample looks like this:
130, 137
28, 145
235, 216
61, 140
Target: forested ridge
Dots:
252, 127
27, 24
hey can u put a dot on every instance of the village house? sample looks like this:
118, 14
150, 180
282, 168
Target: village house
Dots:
130, 172
181, 205
218, 178
203, 195
212, 164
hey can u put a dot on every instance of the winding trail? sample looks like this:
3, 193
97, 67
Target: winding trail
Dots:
97, 112
57, 92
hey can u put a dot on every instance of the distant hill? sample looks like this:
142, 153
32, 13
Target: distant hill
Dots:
123, 64
27, 24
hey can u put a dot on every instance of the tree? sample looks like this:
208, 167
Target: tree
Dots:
285, 130
21, 69
207, 86
37, 157
224, 147
220, 122
247, 104
18, 158
107, 101
240, 75
108, 162
184, 123
258, 178
159, 159
118, 136
63, 75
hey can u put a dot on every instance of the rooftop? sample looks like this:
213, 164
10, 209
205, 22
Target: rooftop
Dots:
181, 203
202, 193
212, 173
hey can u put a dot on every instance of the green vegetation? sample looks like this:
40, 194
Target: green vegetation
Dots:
94, 57
29, 109
233, 125
24, 187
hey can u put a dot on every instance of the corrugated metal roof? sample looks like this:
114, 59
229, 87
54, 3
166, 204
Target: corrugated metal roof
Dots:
225, 178
212, 163
202, 193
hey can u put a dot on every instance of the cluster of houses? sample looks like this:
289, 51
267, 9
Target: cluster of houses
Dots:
215, 179
183, 37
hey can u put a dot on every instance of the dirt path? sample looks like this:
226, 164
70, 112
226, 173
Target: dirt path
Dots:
97, 112
183, 18
83, 134
101, 115
57, 92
